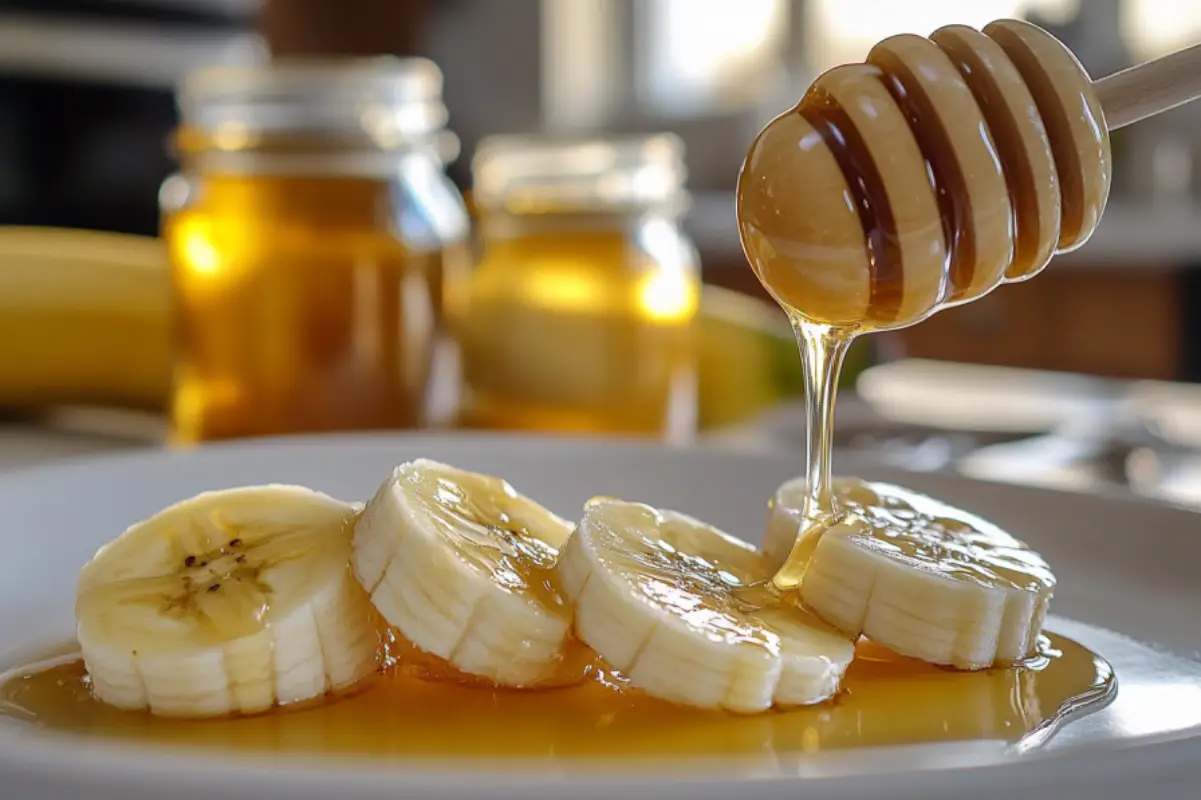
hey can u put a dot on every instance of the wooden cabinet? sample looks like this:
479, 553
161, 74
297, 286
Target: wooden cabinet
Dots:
1105, 320
1122, 324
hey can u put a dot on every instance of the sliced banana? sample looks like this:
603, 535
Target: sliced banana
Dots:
685, 612
230, 602
462, 565
918, 576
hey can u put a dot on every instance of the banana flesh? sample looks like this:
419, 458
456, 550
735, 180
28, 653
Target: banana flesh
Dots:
686, 613
231, 602
918, 576
239, 600
462, 565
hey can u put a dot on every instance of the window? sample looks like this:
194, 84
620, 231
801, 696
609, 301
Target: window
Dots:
839, 32
1153, 28
703, 56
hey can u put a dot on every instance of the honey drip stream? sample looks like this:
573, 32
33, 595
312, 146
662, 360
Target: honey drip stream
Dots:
823, 350
888, 700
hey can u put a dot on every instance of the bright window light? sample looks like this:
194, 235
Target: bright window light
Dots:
1154, 28
701, 55
841, 32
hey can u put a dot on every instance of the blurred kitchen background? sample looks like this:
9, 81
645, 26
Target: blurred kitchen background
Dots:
525, 220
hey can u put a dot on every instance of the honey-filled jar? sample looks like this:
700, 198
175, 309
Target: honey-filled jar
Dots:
578, 314
308, 231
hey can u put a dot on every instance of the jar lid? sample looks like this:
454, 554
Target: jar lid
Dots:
388, 101
528, 174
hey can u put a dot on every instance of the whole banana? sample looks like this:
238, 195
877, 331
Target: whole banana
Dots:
84, 319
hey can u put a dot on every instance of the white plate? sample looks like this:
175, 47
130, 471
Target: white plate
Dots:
1127, 566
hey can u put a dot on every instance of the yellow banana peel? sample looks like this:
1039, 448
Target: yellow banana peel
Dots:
84, 319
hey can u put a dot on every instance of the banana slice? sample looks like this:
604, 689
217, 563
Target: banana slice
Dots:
462, 565
918, 576
230, 602
685, 612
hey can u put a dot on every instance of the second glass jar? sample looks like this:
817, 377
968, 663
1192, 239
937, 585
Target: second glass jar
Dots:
578, 315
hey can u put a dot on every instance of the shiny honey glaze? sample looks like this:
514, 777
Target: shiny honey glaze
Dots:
937, 537
500, 533
413, 710
915, 529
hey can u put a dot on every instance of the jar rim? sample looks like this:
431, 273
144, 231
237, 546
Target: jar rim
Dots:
528, 174
385, 101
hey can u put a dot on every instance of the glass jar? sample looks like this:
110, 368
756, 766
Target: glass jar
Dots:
578, 315
308, 232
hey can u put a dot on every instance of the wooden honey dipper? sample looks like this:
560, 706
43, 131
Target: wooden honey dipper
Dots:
922, 179
937, 170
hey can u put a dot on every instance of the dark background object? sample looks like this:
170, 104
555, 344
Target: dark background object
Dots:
347, 27
82, 155
86, 105
86, 100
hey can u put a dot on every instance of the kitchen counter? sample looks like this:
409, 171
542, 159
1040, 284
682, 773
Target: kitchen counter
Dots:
1067, 432
33, 443
34, 440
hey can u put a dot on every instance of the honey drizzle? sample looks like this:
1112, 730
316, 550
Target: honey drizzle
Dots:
398, 715
498, 533
823, 350
822, 347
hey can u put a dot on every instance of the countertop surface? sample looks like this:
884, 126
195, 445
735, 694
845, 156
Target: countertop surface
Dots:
1063, 431
30, 446
66, 435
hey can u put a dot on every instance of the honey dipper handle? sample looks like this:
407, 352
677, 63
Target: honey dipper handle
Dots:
1152, 88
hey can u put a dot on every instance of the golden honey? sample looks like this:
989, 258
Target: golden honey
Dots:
887, 700
912, 528
297, 310
578, 315
307, 237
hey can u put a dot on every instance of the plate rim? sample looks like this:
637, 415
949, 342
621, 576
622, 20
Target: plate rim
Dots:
386, 438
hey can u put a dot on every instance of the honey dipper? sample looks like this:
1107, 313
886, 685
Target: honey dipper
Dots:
938, 169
